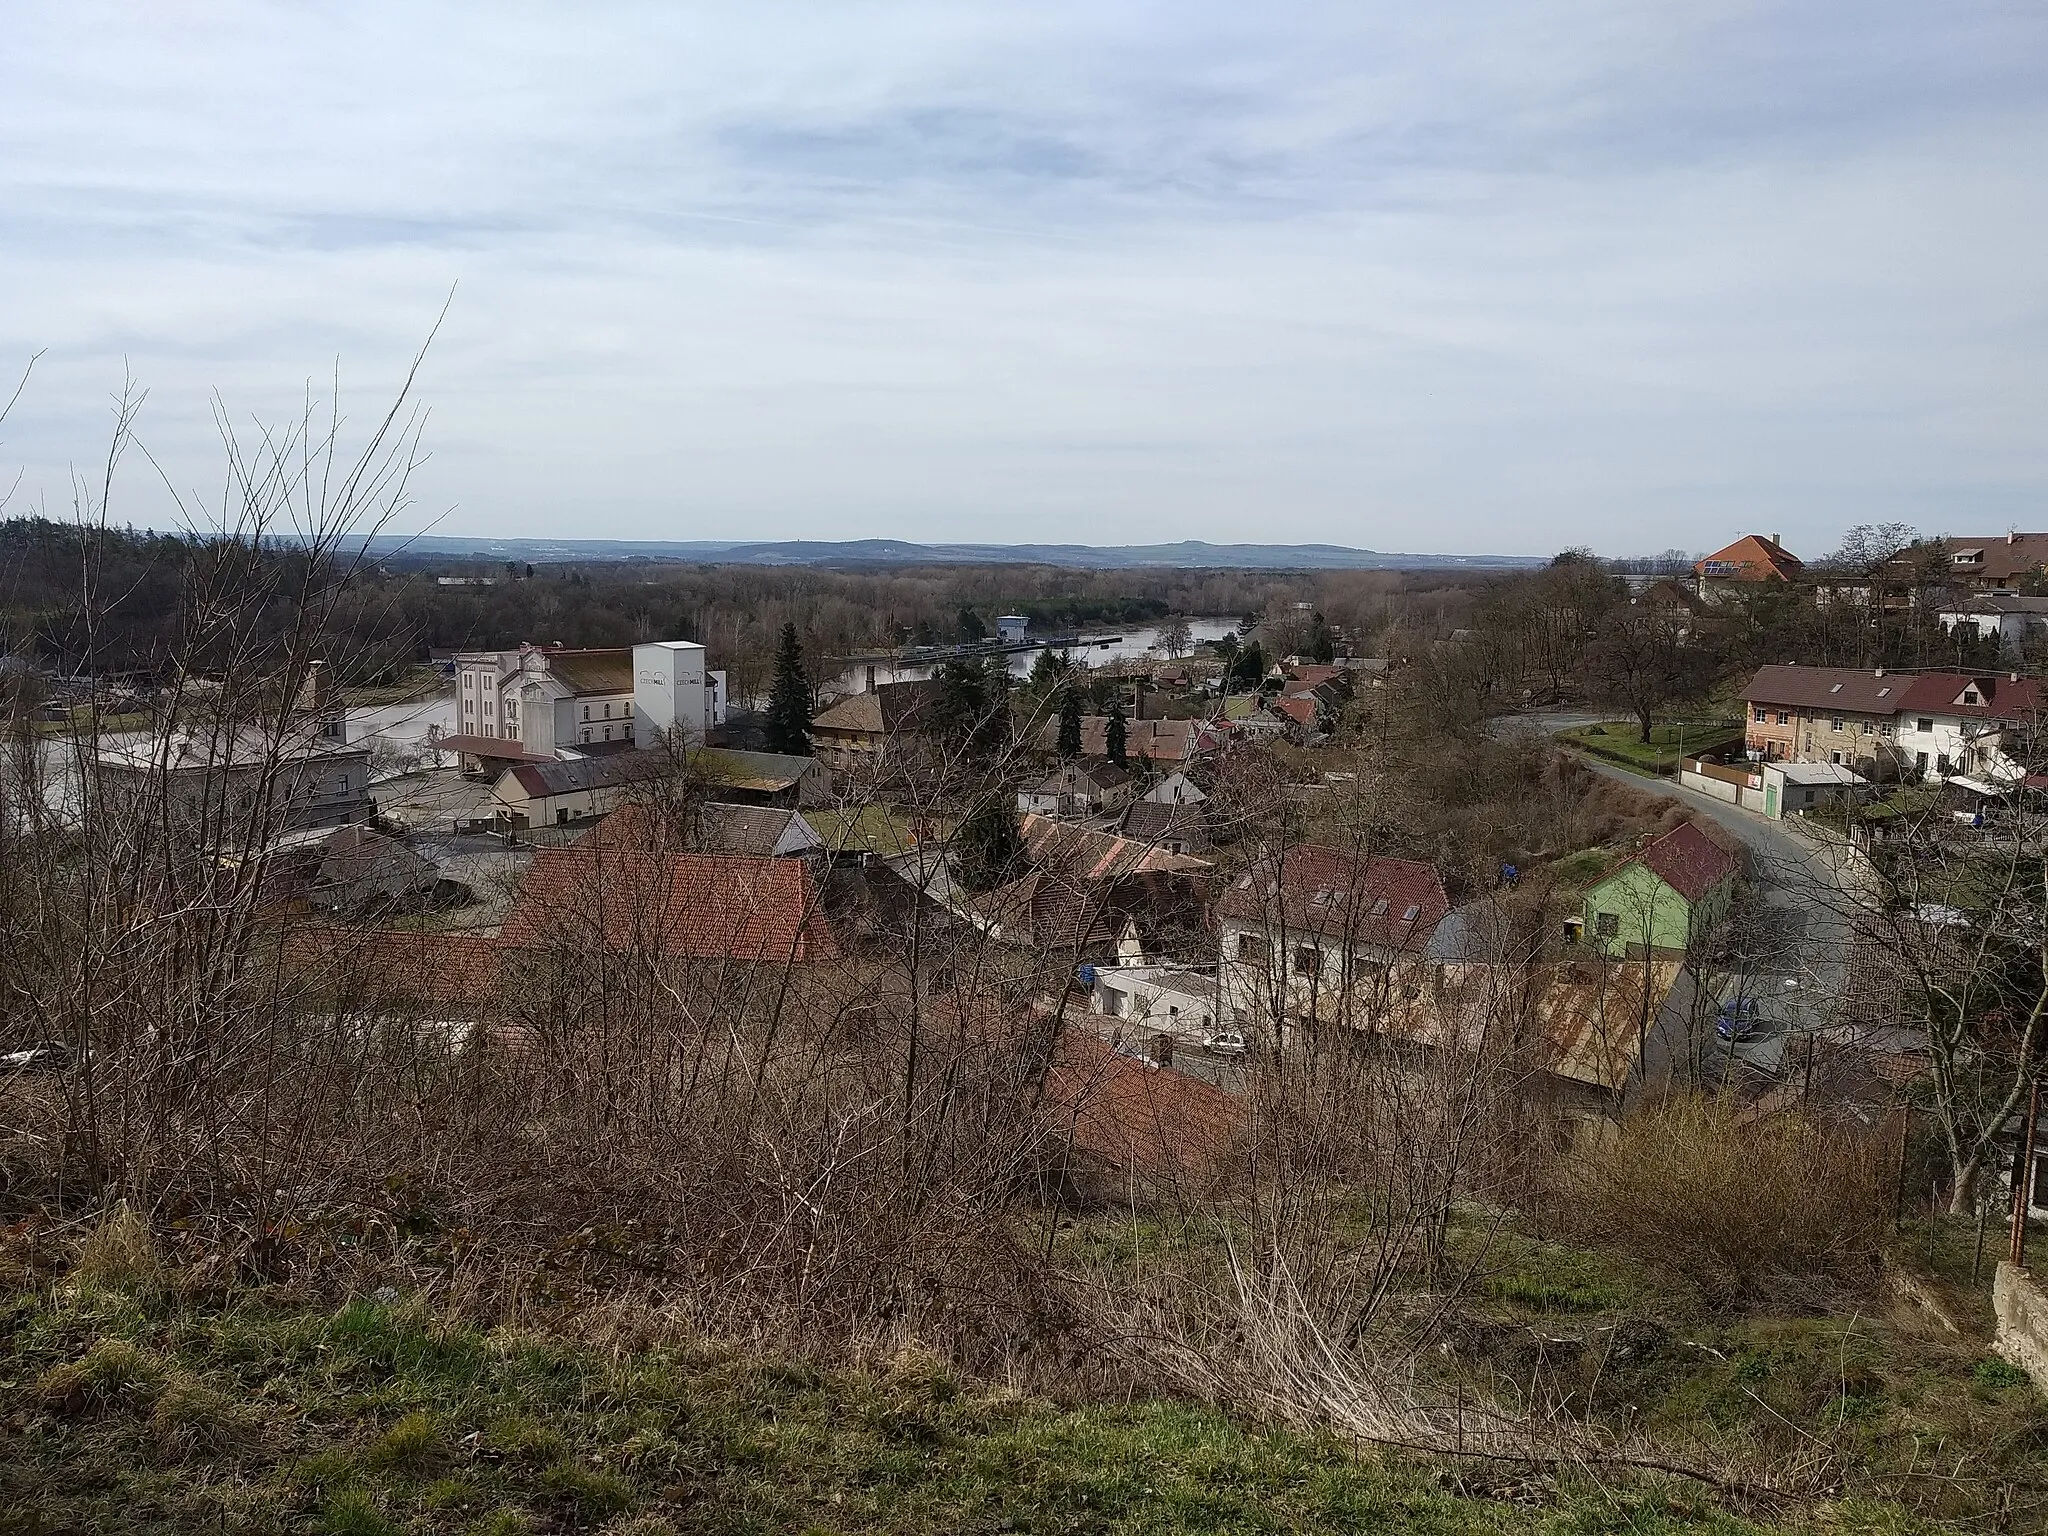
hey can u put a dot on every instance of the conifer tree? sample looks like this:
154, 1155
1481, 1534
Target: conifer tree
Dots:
788, 725
1115, 734
1070, 725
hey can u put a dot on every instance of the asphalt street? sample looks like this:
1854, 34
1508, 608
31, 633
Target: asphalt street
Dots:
1792, 957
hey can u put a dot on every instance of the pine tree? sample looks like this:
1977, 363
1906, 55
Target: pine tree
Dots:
1070, 724
1115, 734
988, 846
788, 726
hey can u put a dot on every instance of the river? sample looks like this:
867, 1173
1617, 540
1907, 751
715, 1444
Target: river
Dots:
1131, 642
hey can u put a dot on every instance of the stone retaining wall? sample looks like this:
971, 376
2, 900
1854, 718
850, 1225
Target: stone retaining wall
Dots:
2021, 1307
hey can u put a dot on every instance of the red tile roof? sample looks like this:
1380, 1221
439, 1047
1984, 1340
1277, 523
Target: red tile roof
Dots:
391, 966
1688, 861
711, 906
2000, 696
1314, 888
1753, 557
1301, 709
1132, 1114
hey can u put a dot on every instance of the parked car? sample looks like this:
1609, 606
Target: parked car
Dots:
1737, 1020
1225, 1043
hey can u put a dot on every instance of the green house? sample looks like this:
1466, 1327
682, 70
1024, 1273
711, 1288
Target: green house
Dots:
1662, 899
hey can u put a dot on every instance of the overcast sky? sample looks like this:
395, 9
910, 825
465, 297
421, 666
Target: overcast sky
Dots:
1458, 277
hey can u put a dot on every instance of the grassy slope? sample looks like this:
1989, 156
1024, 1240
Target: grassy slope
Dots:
262, 1415
1616, 740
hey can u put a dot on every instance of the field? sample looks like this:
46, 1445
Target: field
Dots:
1619, 741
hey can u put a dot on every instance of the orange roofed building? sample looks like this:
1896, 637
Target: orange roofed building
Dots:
1753, 558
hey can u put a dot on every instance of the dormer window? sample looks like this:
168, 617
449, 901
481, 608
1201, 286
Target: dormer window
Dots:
1970, 696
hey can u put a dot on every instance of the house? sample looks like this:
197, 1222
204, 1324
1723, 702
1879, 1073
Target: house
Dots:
541, 703
1147, 741
1127, 1120
1174, 789
2016, 623
884, 735
1793, 789
361, 870
1076, 789
557, 792
1754, 558
1176, 828
1664, 900
211, 782
1083, 890
1150, 999
665, 905
2002, 563
1010, 627
706, 826
1314, 934
760, 778
1935, 724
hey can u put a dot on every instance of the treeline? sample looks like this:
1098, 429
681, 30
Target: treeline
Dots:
107, 601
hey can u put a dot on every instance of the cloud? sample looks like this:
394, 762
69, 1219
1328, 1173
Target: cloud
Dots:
1481, 277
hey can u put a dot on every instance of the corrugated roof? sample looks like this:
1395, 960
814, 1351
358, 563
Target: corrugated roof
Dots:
571, 775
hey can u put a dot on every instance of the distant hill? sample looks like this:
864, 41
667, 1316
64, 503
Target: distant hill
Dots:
1190, 554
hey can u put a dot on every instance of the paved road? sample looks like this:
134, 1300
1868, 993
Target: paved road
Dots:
1794, 957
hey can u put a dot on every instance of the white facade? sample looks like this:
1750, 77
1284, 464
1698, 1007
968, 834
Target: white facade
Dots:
1156, 997
1174, 789
2015, 622
554, 702
1011, 626
674, 694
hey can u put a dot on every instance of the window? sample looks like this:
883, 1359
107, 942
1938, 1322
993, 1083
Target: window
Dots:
1834, 757
1607, 924
469, 706
1761, 713
1923, 724
586, 735
1172, 1012
1784, 717
607, 709
607, 733
468, 681
1307, 960
1250, 947
1970, 696
1835, 723
1885, 730
1919, 762
1112, 1002
487, 706
1869, 729
586, 715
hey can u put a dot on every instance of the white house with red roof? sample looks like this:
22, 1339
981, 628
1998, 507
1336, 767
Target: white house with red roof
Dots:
1315, 935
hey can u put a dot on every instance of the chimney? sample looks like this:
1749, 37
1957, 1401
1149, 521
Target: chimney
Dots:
1880, 671
2012, 535
871, 680
1162, 1048
1778, 539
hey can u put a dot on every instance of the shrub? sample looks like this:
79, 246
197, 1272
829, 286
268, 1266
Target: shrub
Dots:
1741, 1207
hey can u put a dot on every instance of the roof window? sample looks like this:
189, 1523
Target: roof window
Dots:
1379, 908
1836, 689
1411, 914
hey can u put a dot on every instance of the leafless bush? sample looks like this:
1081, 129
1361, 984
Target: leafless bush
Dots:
1744, 1208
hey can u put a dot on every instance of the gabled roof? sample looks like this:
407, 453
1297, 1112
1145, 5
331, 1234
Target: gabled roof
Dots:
708, 826
710, 906
765, 772
1152, 821
1842, 690
351, 853
1300, 708
1104, 775
887, 707
1753, 557
568, 775
1161, 741
2001, 557
1087, 854
1135, 1115
1975, 696
1687, 860
1314, 888
393, 967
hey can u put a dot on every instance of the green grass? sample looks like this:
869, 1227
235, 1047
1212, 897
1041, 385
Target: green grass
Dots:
372, 1419
1620, 741
877, 829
